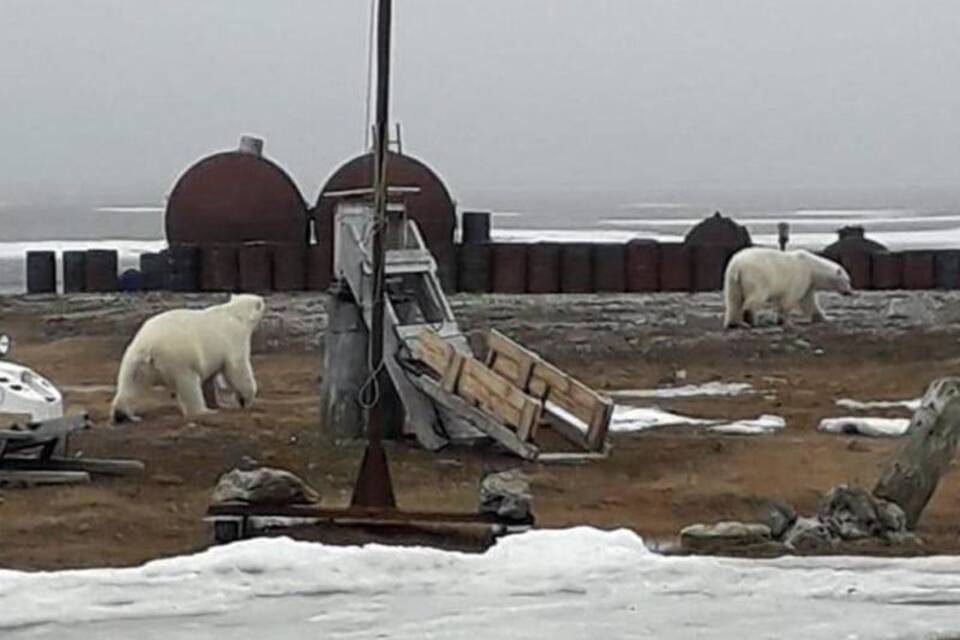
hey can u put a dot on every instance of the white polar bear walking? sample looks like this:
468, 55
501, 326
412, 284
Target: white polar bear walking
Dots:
760, 276
182, 348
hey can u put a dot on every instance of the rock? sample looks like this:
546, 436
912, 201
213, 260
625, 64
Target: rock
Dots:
506, 494
722, 536
168, 479
263, 485
892, 517
779, 517
809, 535
249, 463
850, 513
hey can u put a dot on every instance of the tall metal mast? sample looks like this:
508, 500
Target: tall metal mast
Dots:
374, 488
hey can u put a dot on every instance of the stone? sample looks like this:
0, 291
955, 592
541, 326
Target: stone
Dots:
263, 485
892, 517
779, 517
723, 536
506, 494
809, 535
850, 513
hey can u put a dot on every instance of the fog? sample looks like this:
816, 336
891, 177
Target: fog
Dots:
110, 100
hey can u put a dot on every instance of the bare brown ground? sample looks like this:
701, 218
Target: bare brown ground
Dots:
654, 482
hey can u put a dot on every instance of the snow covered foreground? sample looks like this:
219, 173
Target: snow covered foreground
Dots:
574, 583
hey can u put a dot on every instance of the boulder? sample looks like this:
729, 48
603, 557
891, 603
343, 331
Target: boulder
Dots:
809, 535
506, 494
263, 485
779, 516
723, 536
850, 513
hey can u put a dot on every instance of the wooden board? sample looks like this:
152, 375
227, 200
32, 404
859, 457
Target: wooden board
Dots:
496, 395
434, 351
546, 382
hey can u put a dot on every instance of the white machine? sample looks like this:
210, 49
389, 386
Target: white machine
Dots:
24, 393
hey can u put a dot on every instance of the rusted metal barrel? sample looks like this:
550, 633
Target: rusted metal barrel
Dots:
709, 262
318, 266
154, 271
475, 227
857, 264
543, 268
289, 266
184, 264
609, 267
509, 267
446, 257
41, 272
218, 267
918, 270
576, 267
675, 267
130, 281
887, 270
643, 265
254, 267
946, 268
74, 271
101, 270
473, 268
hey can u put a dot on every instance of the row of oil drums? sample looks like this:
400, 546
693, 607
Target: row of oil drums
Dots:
251, 267
914, 269
543, 267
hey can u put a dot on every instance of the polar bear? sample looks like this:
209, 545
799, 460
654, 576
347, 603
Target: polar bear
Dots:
789, 280
182, 348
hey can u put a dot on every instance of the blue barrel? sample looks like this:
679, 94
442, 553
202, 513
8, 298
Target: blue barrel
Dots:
130, 280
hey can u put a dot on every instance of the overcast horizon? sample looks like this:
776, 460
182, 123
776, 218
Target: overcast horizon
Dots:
110, 100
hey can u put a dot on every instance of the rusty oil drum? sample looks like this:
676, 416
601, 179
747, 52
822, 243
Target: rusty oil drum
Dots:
609, 267
509, 267
543, 267
254, 267
101, 270
643, 265
576, 267
473, 268
675, 267
218, 267
41, 272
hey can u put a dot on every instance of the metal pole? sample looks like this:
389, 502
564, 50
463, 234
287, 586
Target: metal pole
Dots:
374, 487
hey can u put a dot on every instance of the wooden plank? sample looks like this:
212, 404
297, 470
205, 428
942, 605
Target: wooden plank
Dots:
89, 465
32, 478
433, 350
529, 420
509, 359
498, 396
480, 420
451, 377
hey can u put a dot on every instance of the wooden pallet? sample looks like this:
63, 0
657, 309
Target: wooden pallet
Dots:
520, 389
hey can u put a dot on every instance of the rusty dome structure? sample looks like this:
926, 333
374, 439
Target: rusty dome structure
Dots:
719, 231
431, 207
235, 197
852, 239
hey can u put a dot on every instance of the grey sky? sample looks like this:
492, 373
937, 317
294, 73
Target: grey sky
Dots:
113, 99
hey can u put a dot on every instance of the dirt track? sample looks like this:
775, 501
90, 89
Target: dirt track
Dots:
878, 346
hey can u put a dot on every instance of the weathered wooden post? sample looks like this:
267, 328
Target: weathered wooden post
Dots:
345, 367
910, 479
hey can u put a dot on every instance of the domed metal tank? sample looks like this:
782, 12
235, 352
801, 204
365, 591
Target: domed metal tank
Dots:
432, 208
234, 197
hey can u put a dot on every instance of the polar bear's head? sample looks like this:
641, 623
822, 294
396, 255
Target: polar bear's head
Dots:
247, 307
828, 275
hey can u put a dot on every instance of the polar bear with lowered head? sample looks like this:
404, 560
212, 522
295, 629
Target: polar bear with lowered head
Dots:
182, 348
788, 280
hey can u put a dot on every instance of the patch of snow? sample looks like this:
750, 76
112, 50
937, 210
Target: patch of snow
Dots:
626, 419
857, 405
764, 424
866, 426
708, 389
562, 584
